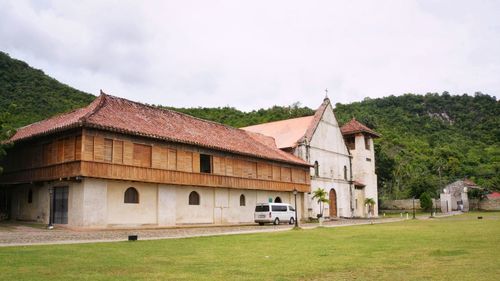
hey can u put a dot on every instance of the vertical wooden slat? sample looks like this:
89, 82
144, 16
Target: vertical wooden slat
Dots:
69, 149
99, 148
237, 168
184, 161
78, 147
128, 153
156, 157
163, 158
60, 150
142, 155
108, 150
229, 166
196, 162
88, 148
117, 151
172, 159
286, 174
276, 173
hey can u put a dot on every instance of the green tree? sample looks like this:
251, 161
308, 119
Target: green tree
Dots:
425, 201
320, 196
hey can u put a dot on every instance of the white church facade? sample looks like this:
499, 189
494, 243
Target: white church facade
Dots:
342, 160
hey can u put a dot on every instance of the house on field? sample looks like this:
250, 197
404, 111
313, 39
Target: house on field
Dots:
342, 159
123, 163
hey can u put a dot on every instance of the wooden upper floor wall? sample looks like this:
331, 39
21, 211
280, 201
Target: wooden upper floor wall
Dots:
103, 154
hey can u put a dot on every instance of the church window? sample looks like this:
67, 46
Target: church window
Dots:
205, 163
131, 196
194, 198
242, 200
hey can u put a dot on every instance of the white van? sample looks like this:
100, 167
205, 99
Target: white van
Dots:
274, 212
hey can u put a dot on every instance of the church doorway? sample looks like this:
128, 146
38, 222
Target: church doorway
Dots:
333, 203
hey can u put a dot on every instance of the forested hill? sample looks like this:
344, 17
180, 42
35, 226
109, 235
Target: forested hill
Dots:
28, 95
427, 141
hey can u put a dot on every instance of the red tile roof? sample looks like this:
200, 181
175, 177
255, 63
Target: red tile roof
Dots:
128, 117
353, 127
286, 132
358, 183
494, 195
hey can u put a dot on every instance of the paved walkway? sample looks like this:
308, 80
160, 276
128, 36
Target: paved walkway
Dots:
15, 234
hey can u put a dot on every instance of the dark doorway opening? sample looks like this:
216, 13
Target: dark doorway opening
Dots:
60, 205
333, 203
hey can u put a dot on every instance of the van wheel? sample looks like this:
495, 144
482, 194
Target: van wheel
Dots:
261, 223
292, 221
276, 221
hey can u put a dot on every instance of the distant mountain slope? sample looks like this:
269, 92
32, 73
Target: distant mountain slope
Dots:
428, 141
28, 95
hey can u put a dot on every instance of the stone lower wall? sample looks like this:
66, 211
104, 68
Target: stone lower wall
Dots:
485, 204
404, 204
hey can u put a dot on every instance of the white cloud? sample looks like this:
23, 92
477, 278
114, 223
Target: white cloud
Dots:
252, 54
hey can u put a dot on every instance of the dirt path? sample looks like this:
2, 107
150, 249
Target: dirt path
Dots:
12, 234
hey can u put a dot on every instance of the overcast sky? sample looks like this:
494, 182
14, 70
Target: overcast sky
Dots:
253, 54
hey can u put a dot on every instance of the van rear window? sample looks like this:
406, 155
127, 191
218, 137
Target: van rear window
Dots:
262, 208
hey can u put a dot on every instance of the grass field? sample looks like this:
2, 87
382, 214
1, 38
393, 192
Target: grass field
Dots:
455, 248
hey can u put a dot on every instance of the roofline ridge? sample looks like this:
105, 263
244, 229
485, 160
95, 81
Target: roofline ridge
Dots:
314, 125
102, 98
159, 107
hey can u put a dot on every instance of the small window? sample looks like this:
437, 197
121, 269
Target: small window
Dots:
277, 200
30, 196
205, 163
194, 198
291, 209
345, 172
367, 142
242, 200
131, 196
369, 159
351, 142
316, 169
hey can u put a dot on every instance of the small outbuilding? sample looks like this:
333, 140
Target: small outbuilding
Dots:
454, 196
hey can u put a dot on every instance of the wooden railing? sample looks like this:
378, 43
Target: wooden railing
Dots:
134, 173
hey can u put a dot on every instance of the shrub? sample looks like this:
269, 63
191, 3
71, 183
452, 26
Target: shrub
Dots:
426, 201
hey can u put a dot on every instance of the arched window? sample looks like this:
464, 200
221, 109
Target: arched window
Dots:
345, 172
194, 198
30, 196
131, 196
316, 169
242, 200
277, 200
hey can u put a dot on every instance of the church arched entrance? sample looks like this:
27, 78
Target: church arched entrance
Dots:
333, 203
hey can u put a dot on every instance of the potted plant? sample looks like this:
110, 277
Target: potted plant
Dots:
320, 196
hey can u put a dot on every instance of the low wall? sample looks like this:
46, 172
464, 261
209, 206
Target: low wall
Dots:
404, 204
485, 204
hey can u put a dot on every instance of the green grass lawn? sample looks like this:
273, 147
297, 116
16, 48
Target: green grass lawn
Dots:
455, 248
